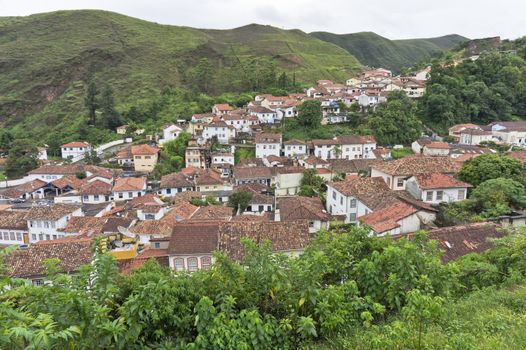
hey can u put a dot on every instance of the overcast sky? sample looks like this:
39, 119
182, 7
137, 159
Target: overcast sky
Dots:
390, 18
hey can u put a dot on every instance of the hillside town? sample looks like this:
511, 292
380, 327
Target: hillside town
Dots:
216, 200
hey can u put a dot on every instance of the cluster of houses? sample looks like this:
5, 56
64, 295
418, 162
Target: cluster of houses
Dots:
181, 219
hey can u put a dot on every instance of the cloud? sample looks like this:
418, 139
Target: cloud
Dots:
393, 19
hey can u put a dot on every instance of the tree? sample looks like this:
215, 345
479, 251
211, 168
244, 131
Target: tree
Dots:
239, 200
110, 118
172, 156
491, 166
90, 102
395, 121
22, 158
203, 75
310, 114
311, 185
5, 140
283, 81
92, 158
498, 196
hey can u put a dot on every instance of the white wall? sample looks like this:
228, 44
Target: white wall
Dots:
293, 150
48, 229
11, 237
122, 196
173, 258
339, 204
264, 150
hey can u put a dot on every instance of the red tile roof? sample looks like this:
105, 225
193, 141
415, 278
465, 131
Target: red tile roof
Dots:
123, 184
387, 219
194, 238
96, 187
417, 164
268, 138
75, 144
283, 236
371, 191
176, 180
13, 220
301, 208
437, 145
53, 212
29, 262
439, 180
65, 181
212, 212
144, 150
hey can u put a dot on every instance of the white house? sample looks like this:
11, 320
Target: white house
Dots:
45, 222
513, 133
400, 218
357, 147
268, 144
174, 183
294, 148
396, 172
192, 245
326, 149
222, 158
356, 197
127, 188
474, 137
74, 149
13, 227
219, 130
170, 133
437, 188
264, 115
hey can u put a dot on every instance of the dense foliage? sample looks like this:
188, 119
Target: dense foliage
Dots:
488, 89
491, 166
346, 283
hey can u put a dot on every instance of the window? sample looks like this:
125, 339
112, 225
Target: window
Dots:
54, 236
149, 216
352, 217
461, 194
341, 200
169, 191
12, 236
179, 264
157, 245
34, 237
96, 197
48, 237
311, 224
352, 203
38, 282
121, 195
40, 236
18, 236
130, 194
400, 182
429, 196
440, 195
85, 198
147, 157
206, 261
333, 194
192, 264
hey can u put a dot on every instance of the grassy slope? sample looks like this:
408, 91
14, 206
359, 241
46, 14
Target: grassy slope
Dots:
45, 60
490, 319
376, 51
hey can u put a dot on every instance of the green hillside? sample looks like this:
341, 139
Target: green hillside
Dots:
47, 59
376, 51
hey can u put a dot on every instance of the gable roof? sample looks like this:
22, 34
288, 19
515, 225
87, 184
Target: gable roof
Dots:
268, 138
175, 180
294, 142
212, 212
13, 220
209, 177
456, 241
387, 218
257, 172
371, 191
283, 236
123, 184
439, 180
194, 238
417, 164
96, 187
75, 144
53, 212
181, 210
68, 181
144, 150
84, 224
152, 227
29, 262
301, 208
355, 139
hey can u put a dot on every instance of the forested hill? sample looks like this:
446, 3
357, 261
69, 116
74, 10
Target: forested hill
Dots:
376, 51
46, 60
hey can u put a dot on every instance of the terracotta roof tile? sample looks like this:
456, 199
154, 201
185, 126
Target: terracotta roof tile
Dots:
123, 184
417, 164
181, 210
283, 236
439, 180
212, 212
371, 191
194, 238
75, 144
268, 138
387, 219
301, 208
175, 180
144, 150
14, 220
53, 212
29, 262
152, 227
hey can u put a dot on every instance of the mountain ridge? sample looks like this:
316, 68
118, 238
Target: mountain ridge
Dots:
374, 50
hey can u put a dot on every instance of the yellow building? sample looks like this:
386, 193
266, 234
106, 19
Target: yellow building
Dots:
144, 157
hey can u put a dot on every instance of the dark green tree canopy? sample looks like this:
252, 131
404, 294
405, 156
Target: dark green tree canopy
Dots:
491, 166
310, 114
239, 200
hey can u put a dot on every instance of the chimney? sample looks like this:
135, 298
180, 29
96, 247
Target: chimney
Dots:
277, 216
